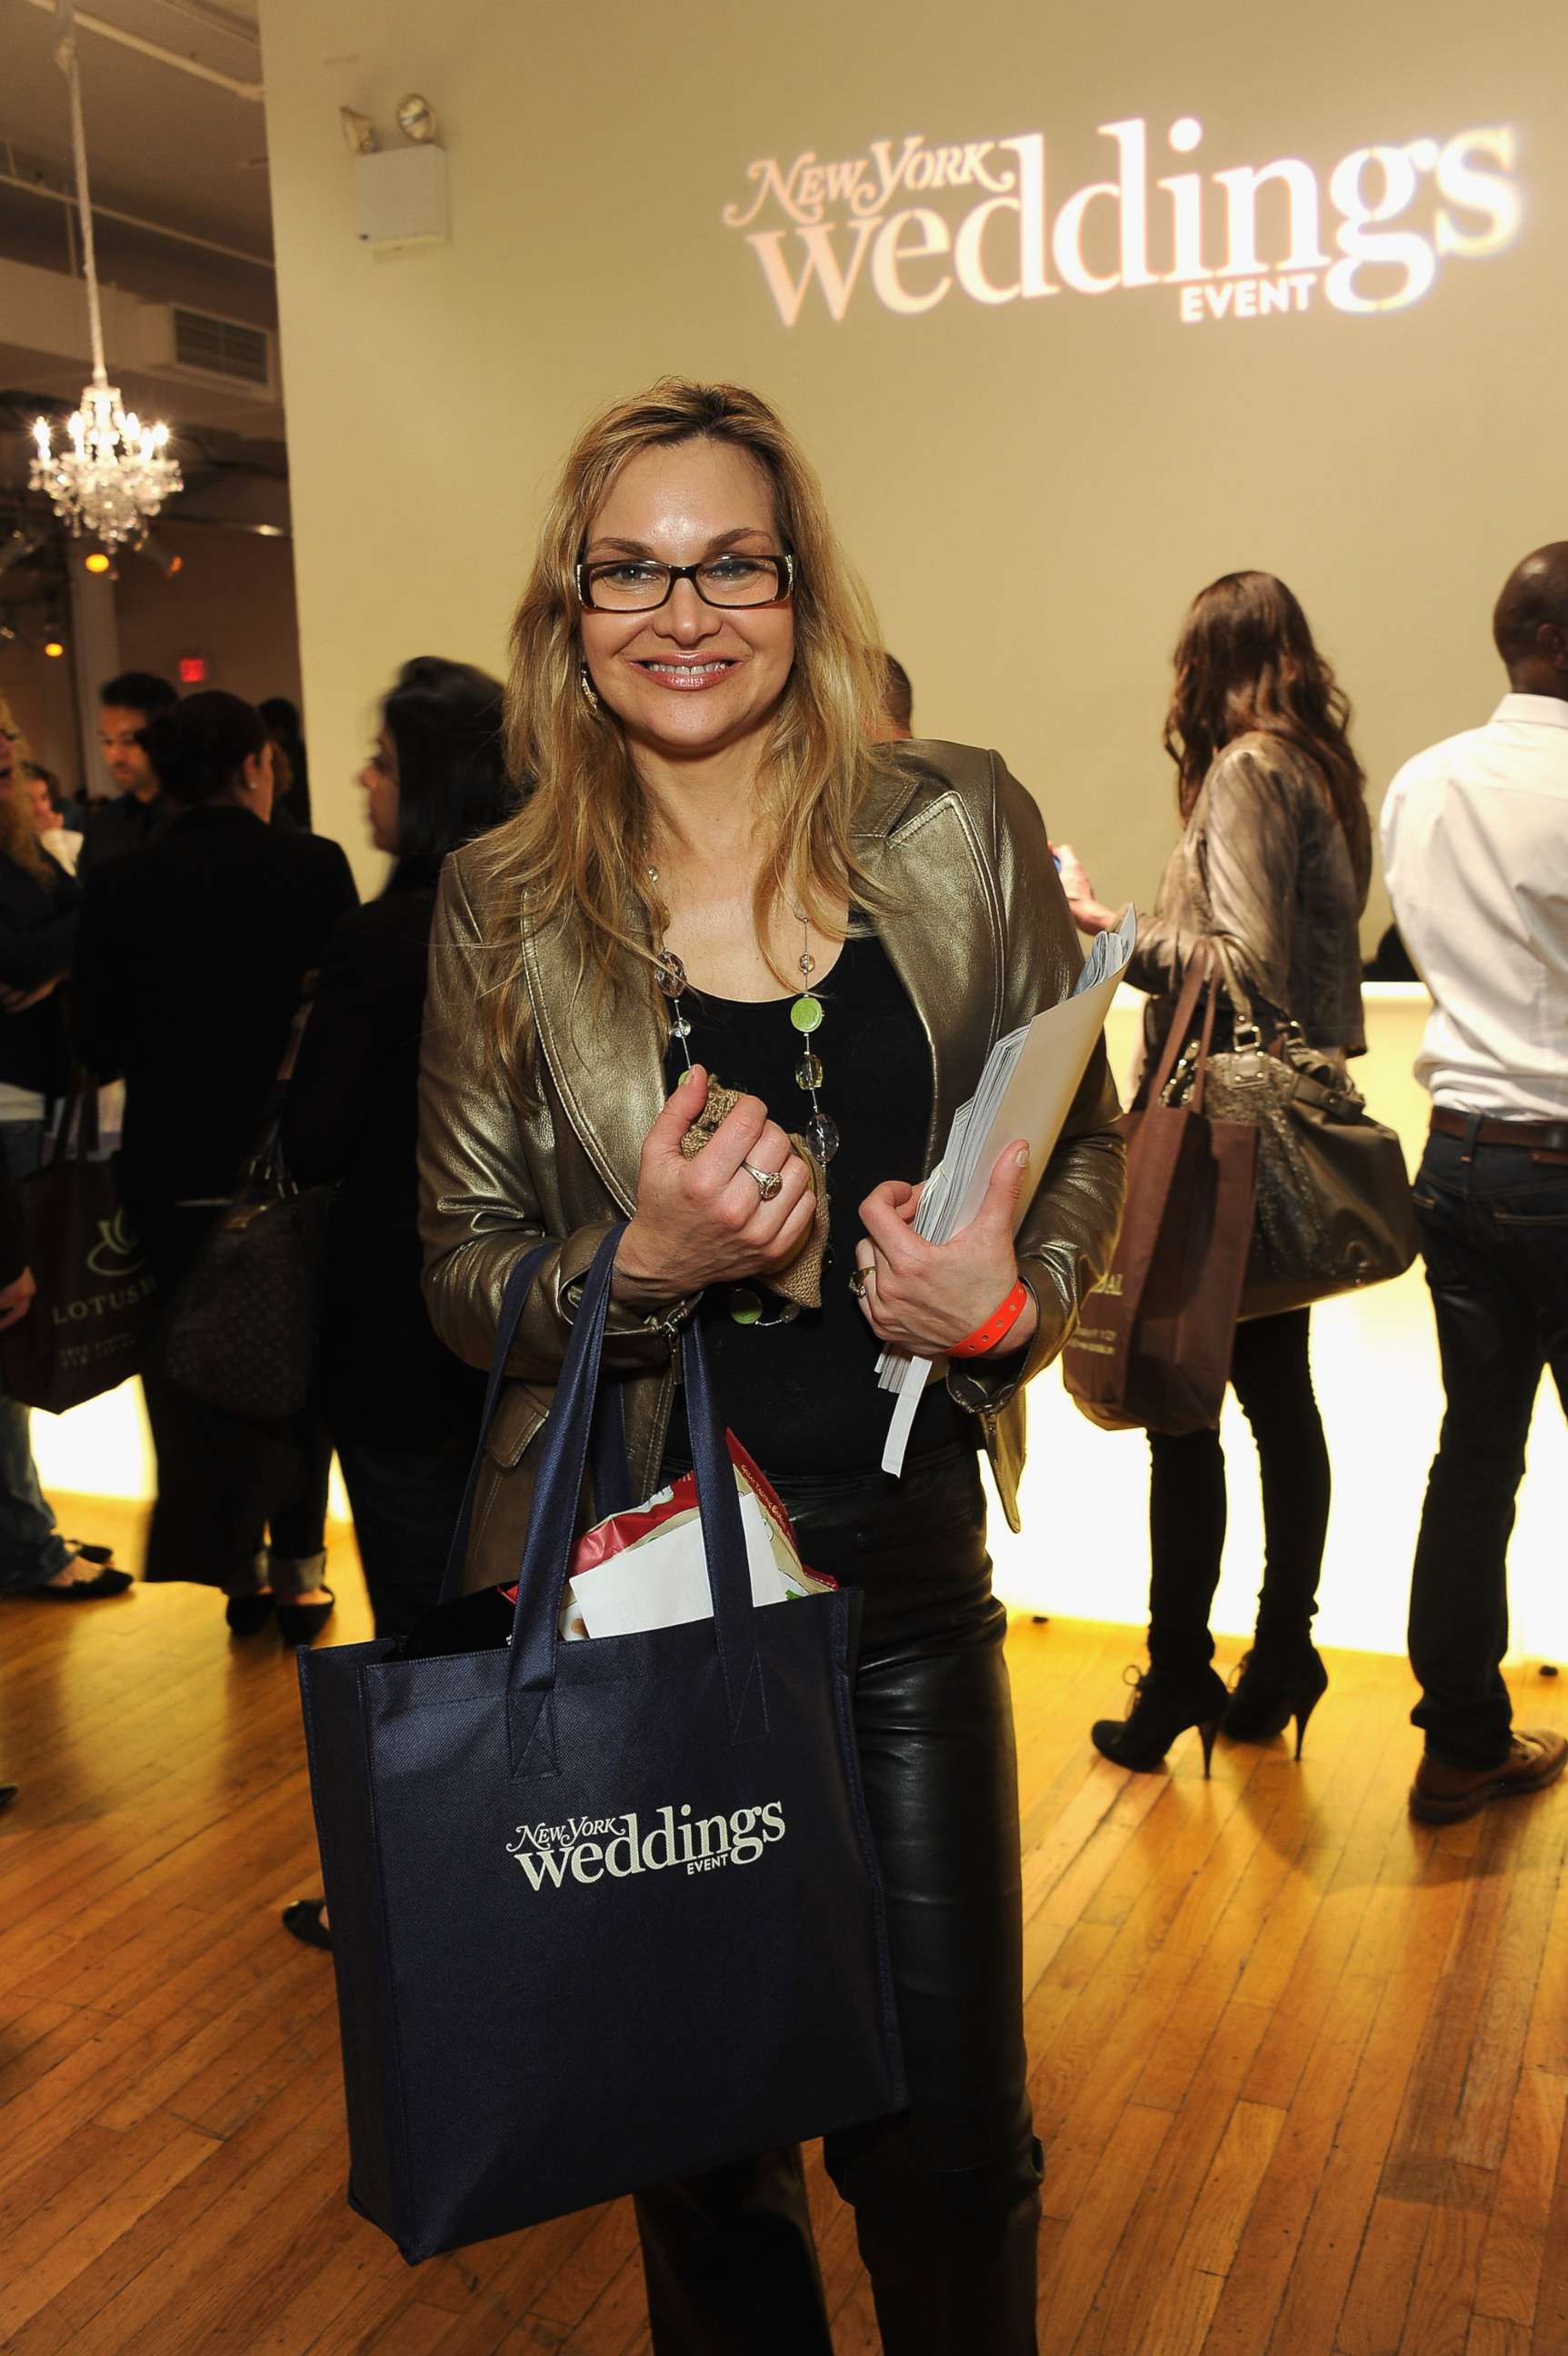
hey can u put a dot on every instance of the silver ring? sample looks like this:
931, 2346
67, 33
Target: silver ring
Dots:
769, 1181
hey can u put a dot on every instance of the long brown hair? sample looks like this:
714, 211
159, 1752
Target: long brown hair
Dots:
1246, 662
576, 849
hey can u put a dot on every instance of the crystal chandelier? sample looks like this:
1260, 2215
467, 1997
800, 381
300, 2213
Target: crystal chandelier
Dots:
112, 472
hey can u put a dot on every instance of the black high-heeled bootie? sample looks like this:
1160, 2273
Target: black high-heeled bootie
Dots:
1272, 1690
1162, 1707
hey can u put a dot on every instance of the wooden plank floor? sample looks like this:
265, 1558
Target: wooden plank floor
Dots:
1300, 2065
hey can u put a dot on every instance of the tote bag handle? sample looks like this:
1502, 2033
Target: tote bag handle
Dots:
531, 1659
76, 1136
1182, 1055
612, 1477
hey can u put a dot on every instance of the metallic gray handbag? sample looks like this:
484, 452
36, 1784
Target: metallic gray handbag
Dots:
1332, 1211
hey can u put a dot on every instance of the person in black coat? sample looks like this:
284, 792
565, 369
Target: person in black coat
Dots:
404, 1413
289, 758
402, 1410
39, 903
190, 964
140, 811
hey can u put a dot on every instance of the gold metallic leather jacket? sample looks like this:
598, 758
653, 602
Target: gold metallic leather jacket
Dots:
978, 934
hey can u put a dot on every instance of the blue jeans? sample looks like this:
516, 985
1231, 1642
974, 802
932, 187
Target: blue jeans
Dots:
31, 1547
1494, 1231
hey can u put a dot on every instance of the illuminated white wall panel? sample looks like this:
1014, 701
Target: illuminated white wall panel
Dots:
1084, 1548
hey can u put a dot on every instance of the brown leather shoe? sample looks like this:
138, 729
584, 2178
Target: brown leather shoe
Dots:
1444, 1795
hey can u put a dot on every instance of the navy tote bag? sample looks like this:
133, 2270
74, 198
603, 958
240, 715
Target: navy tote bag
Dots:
603, 1913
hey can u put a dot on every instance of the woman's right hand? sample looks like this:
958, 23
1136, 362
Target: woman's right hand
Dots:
703, 1221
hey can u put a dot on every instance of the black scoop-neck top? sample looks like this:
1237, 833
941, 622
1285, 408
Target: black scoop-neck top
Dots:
802, 1397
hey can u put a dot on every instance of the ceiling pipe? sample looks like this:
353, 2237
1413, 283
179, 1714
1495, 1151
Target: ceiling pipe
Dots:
253, 90
217, 20
134, 221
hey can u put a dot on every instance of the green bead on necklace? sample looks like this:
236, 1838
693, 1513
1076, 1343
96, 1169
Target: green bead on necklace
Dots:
807, 1014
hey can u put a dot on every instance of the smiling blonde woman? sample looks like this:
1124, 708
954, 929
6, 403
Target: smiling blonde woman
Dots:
718, 875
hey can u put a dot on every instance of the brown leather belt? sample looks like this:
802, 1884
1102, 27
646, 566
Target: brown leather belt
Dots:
1534, 1136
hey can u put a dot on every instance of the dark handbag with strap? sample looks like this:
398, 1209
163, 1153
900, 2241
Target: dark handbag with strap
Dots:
242, 1329
604, 1914
1152, 1347
1333, 1211
88, 1326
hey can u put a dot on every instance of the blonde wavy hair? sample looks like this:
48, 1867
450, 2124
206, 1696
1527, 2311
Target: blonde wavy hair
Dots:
576, 851
19, 835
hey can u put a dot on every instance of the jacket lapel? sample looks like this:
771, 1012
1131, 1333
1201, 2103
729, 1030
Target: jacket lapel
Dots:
605, 1056
942, 934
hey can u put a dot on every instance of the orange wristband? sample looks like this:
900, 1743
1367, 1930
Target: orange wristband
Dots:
1000, 1322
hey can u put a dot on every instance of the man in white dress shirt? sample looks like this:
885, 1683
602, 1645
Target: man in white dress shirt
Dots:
1475, 838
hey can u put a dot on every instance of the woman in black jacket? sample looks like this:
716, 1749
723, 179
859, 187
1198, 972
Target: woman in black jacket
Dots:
39, 903
190, 964
402, 1410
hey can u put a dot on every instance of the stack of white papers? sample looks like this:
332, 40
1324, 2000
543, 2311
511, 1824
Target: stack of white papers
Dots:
1029, 1082
664, 1581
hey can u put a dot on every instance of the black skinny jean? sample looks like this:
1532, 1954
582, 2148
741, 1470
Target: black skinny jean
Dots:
1494, 1232
405, 1502
945, 2195
1271, 1378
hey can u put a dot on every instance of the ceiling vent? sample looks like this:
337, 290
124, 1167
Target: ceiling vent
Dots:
221, 347
192, 343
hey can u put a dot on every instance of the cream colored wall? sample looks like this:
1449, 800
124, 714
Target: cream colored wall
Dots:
1035, 489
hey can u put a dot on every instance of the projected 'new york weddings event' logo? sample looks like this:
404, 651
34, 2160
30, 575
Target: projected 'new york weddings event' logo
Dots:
915, 224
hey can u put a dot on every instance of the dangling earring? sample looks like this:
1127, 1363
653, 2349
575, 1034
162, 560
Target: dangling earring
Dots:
587, 684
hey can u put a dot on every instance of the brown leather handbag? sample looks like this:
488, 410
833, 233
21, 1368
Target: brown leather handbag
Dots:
1333, 1211
1153, 1348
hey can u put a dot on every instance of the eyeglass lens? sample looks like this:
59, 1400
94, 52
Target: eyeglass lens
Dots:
635, 584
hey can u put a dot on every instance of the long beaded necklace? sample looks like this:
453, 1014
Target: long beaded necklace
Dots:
806, 1012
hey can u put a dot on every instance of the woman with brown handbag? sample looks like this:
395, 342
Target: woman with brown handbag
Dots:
1272, 868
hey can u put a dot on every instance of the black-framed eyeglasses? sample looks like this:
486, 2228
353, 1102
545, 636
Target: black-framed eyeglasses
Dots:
637, 584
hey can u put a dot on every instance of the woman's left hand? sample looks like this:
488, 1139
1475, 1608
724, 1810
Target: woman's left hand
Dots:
922, 1298
1088, 914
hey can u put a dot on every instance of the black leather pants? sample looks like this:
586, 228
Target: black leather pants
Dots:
945, 2195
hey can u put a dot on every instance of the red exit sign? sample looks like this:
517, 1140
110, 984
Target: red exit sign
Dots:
193, 671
